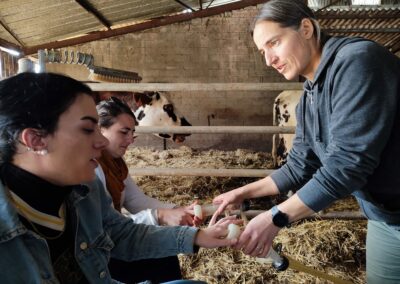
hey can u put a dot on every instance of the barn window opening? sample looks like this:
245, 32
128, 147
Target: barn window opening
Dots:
10, 51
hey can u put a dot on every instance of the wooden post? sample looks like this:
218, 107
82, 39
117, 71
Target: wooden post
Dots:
199, 172
188, 87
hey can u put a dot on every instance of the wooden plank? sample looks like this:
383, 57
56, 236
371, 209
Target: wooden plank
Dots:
216, 129
209, 87
199, 172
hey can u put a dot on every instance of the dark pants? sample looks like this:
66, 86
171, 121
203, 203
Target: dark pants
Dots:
155, 269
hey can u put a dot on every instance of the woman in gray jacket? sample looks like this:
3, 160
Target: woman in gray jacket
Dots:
347, 135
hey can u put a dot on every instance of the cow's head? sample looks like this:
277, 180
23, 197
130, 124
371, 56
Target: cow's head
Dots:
154, 109
284, 114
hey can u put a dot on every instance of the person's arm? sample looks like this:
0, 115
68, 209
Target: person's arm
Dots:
263, 187
148, 210
17, 257
301, 165
138, 241
147, 216
157, 212
135, 200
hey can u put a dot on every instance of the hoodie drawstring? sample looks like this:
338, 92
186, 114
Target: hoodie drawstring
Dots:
316, 118
303, 116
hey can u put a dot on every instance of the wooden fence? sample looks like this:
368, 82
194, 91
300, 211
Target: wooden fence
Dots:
140, 87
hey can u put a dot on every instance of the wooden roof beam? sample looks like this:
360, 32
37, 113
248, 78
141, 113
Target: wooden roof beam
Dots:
210, 4
157, 22
185, 5
5, 26
88, 7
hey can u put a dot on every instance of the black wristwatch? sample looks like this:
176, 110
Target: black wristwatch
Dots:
279, 218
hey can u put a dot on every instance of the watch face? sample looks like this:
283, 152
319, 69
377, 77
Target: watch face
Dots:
280, 220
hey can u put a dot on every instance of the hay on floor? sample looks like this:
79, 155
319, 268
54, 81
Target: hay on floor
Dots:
336, 247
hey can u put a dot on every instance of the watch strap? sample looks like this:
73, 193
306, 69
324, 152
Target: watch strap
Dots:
278, 217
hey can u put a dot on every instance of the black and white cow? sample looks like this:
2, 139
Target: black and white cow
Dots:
284, 114
151, 109
154, 109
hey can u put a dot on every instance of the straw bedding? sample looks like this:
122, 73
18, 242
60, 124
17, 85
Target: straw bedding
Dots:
335, 247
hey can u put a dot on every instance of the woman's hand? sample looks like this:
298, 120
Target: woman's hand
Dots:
232, 197
181, 216
215, 235
258, 235
196, 220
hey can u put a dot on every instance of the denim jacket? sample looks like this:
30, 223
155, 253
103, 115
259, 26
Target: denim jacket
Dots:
101, 232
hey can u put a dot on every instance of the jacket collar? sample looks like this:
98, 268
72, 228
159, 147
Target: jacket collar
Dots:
11, 226
329, 51
313, 88
9, 221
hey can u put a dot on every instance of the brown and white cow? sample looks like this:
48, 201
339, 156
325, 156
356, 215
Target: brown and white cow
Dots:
150, 109
284, 114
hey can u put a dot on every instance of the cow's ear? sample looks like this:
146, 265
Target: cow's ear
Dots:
138, 99
184, 122
142, 99
147, 97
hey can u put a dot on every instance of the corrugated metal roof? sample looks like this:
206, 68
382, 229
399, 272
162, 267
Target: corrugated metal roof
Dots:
33, 24
27, 23
378, 23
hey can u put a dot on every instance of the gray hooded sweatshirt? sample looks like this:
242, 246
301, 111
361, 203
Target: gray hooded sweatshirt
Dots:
348, 131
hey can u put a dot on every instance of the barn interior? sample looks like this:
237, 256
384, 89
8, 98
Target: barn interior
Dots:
199, 43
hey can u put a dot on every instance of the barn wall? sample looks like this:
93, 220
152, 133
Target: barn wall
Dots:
207, 50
